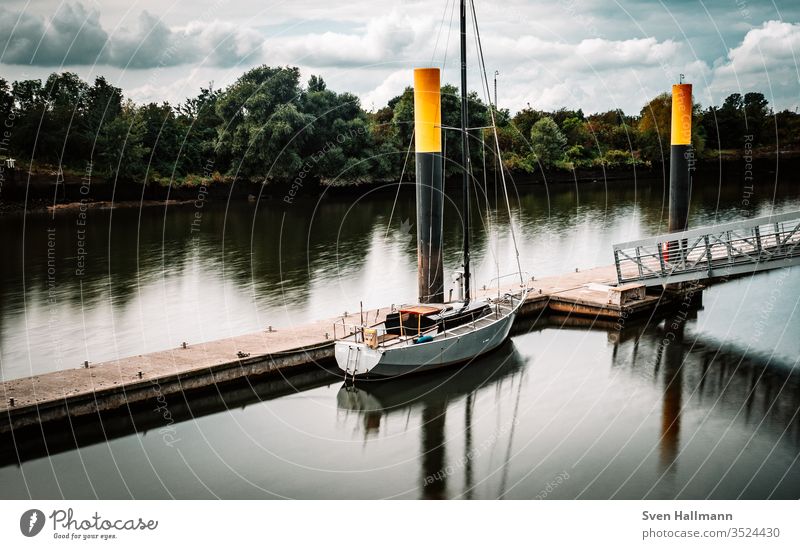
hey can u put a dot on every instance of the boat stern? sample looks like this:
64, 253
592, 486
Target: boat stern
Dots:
356, 359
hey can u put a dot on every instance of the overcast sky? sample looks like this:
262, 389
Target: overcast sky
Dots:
593, 54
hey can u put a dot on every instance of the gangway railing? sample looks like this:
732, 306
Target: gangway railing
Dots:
728, 249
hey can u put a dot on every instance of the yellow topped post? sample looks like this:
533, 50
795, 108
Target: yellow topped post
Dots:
427, 110
681, 114
430, 187
681, 162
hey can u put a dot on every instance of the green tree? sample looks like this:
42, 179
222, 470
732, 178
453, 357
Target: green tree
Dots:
547, 142
517, 139
120, 148
262, 130
337, 138
6, 107
561, 115
60, 137
102, 106
161, 136
788, 129
574, 130
757, 114
199, 125
725, 126
655, 127
30, 106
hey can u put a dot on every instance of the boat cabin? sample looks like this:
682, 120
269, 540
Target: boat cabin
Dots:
412, 320
415, 320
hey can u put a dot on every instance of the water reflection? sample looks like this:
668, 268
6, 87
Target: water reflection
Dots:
139, 281
713, 414
703, 421
743, 394
430, 396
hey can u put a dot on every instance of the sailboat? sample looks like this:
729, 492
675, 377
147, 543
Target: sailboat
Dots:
435, 333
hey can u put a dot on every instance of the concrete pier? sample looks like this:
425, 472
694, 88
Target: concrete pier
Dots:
119, 383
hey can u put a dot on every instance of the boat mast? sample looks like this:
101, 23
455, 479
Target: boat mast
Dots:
464, 148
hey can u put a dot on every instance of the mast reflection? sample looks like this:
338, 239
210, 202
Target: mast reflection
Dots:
428, 397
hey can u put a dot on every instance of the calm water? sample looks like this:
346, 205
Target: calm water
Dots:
561, 411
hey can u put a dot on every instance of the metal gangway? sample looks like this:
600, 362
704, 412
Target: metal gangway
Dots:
729, 249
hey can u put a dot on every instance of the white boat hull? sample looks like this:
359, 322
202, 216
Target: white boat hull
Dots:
358, 359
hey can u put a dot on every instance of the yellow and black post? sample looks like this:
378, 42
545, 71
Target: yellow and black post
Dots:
681, 158
430, 191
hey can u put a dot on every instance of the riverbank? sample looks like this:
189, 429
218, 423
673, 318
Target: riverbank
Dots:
38, 191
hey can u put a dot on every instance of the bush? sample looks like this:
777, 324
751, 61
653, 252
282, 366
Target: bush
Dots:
616, 157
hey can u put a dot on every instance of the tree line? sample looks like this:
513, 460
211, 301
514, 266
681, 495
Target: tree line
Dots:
269, 126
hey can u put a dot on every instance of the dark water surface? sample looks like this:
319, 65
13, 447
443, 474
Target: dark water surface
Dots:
561, 411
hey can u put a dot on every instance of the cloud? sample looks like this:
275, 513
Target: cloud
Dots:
384, 39
766, 60
574, 53
596, 54
74, 36
594, 73
390, 87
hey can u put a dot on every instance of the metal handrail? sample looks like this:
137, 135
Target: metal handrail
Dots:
731, 248
731, 226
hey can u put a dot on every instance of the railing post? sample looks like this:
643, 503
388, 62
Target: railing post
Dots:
616, 263
758, 241
708, 254
661, 259
728, 246
639, 262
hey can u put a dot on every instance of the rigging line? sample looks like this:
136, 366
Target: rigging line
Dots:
489, 225
399, 183
492, 127
485, 224
485, 184
514, 422
449, 29
483, 157
468, 129
439, 33
485, 82
471, 175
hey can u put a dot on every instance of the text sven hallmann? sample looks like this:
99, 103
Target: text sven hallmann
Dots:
686, 515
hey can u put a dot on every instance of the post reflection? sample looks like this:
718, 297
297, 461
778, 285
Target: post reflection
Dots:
671, 402
694, 371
